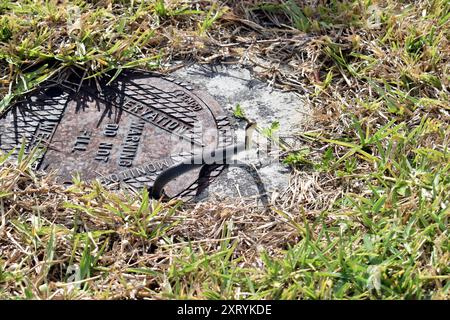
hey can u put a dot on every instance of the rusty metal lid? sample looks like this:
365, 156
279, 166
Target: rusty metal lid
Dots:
122, 133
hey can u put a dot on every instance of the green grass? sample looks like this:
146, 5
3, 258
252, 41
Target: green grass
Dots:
41, 38
374, 222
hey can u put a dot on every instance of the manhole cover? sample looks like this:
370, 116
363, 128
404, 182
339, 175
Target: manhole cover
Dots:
122, 133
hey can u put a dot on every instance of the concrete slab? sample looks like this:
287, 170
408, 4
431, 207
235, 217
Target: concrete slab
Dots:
231, 86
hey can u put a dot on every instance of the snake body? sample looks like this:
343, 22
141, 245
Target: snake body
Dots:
216, 157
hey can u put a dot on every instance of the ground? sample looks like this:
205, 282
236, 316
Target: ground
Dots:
366, 213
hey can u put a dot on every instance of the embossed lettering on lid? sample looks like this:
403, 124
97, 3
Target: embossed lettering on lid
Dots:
123, 133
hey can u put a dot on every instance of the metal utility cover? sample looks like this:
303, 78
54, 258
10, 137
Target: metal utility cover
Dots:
122, 133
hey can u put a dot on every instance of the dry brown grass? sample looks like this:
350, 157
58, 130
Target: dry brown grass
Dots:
360, 219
